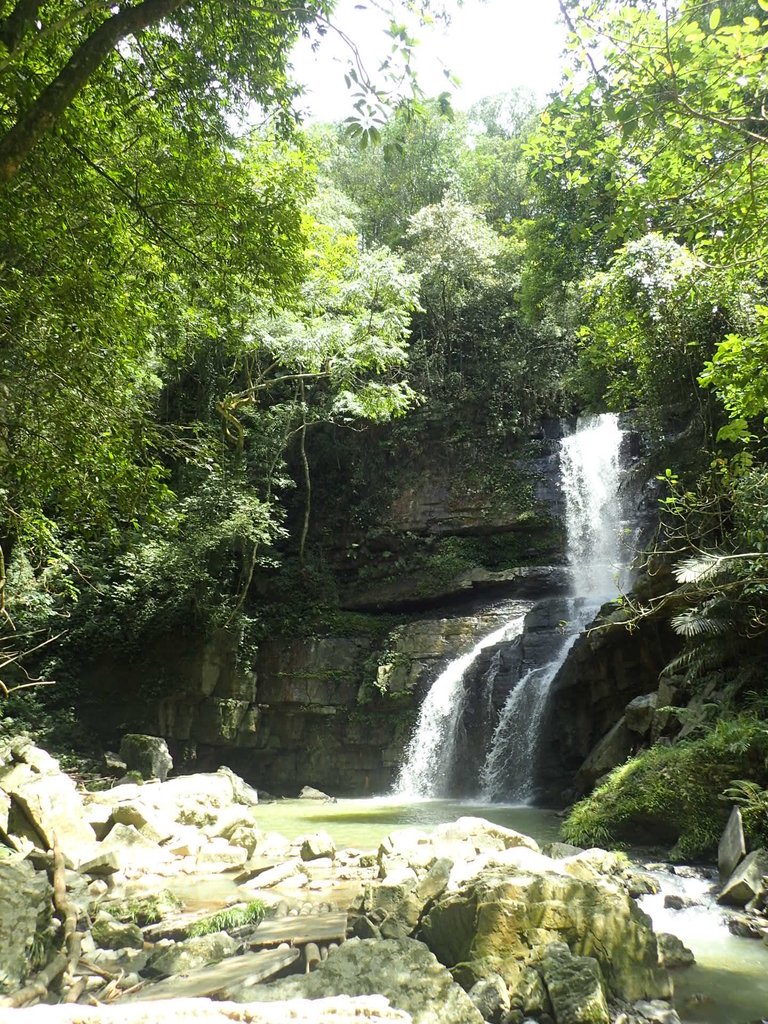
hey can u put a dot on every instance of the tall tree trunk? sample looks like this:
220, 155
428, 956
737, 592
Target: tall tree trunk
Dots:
47, 109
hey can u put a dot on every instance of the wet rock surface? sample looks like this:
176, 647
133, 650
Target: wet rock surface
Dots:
468, 922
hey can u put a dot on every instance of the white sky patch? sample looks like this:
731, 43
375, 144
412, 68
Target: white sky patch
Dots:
490, 46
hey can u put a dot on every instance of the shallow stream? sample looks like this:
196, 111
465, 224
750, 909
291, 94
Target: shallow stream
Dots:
728, 985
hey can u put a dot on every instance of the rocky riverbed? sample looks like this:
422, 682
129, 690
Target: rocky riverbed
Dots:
470, 922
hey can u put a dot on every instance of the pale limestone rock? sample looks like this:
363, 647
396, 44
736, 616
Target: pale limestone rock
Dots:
318, 845
746, 882
25, 909
274, 876
401, 969
485, 835
147, 821
496, 921
48, 800
310, 793
229, 820
732, 848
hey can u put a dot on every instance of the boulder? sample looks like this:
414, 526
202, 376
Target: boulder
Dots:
732, 848
147, 755
639, 884
189, 954
25, 912
309, 793
111, 934
274, 876
485, 836
399, 900
612, 750
639, 713
126, 847
593, 863
672, 952
558, 851
187, 800
496, 921
145, 820
575, 986
230, 820
403, 970
316, 846
656, 1012
246, 837
746, 882
491, 997
45, 797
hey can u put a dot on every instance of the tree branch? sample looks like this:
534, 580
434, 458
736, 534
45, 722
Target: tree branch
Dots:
53, 101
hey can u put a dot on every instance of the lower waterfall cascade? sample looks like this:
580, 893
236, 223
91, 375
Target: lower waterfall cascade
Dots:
590, 475
432, 745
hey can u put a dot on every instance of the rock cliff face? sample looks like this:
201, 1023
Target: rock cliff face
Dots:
455, 539
606, 669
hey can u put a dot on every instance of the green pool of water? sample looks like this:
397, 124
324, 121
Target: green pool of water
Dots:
365, 823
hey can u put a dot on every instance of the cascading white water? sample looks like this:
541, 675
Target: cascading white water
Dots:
590, 475
430, 752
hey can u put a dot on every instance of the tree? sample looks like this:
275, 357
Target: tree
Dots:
493, 168
415, 165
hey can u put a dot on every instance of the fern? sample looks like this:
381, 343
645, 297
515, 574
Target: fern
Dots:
696, 622
697, 570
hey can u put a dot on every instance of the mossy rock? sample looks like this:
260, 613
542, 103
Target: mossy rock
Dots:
672, 795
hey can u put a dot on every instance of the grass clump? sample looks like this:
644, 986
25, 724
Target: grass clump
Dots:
231, 917
146, 910
673, 795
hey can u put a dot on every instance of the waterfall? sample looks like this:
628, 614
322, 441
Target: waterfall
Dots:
430, 752
590, 475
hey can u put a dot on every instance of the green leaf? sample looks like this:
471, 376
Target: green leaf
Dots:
714, 18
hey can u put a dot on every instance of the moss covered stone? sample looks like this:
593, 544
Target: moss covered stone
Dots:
672, 795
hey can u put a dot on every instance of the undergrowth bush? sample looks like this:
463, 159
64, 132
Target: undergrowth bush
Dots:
674, 795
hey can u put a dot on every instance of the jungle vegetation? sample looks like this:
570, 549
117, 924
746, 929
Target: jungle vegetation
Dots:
199, 318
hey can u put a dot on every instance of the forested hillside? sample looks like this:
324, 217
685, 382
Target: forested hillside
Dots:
221, 346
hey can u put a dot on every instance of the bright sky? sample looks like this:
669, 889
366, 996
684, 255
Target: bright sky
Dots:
492, 46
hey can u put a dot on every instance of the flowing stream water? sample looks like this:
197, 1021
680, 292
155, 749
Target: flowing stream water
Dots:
590, 473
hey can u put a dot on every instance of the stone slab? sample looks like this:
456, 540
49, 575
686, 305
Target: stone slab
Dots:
733, 848
251, 968
746, 881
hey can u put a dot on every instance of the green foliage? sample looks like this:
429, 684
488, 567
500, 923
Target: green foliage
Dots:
649, 324
671, 794
753, 801
736, 373
232, 917
144, 910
